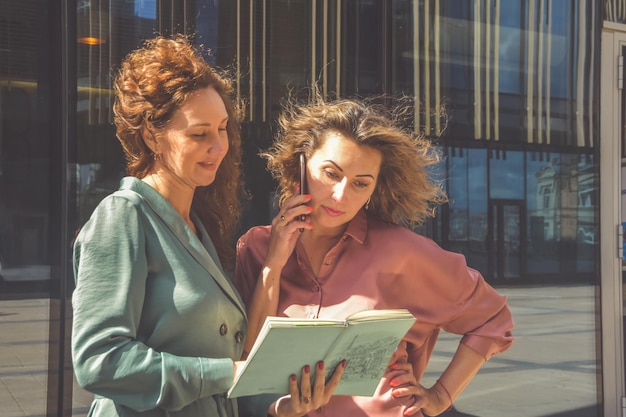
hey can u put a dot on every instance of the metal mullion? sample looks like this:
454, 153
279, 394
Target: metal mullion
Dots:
238, 57
264, 63
496, 71
251, 58
313, 41
477, 78
338, 36
416, 66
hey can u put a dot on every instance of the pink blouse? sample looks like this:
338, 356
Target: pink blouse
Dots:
378, 265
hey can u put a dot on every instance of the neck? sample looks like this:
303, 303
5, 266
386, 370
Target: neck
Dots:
317, 243
179, 195
324, 236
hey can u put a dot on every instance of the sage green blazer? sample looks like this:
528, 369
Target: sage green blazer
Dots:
157, 323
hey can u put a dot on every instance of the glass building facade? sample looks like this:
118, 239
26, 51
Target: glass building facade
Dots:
510, 91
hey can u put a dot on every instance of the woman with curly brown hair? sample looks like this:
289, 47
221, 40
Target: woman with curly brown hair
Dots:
346, 244
158, 328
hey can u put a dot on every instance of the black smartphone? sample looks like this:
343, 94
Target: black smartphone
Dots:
302, 180
302, 174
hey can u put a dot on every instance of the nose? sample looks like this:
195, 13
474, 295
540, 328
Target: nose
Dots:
339, 190
218, 143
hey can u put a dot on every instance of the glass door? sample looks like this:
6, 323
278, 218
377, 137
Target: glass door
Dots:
505, 238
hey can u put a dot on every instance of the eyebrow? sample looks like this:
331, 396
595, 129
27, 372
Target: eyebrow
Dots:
340, 169
225, 119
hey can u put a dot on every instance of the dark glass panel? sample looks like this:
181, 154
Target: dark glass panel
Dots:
362, 47
587, 221
26, 135
289, 26
29, 207
477, 208
562, 195
458, 193
505, 175
542, 171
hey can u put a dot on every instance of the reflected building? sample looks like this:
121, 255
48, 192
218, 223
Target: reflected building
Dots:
566, 210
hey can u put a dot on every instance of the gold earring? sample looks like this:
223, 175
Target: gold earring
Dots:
157, 156
367, 203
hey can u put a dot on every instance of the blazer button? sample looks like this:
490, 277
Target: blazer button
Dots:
223, 329
238, 336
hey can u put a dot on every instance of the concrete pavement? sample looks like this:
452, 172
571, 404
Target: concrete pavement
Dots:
552, 370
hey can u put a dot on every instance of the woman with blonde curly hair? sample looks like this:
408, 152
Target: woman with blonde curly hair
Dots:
158, 328
347, 244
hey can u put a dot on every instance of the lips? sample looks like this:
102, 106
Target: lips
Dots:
332, 212
207, 165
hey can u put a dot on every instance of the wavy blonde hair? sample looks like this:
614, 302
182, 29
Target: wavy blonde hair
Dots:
152, 83
406, 192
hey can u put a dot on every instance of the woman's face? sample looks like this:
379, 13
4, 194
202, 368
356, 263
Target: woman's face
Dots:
194, 142
341, 178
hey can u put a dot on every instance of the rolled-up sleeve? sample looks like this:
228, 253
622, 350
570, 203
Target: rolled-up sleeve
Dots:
457, 299
484, 318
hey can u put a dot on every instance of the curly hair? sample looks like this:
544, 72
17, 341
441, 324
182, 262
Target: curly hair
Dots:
152, 83
406, 192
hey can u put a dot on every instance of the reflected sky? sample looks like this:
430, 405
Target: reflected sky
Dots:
506, 175
146, 9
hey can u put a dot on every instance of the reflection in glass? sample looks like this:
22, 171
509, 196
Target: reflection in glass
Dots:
512, 73
457, 239
541, 192
28, 199
26, 135
505, 180
477, 208
562, 205
511, 241
587, 223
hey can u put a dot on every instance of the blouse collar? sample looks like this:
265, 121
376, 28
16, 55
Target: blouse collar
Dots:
357, 228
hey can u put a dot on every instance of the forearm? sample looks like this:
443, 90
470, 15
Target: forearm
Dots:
264, 303
464, 365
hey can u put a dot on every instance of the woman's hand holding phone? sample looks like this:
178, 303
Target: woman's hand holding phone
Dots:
302, 182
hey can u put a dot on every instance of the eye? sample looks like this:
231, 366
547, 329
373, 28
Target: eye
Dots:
331, 174
198, 135
360, 184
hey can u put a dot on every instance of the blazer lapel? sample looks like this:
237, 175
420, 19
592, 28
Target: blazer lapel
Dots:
206, 255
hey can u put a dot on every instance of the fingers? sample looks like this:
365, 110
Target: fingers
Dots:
325, 390
333, 382
305, 389
402, 379
293, 386
307, 397
412, 396
322, 390
294, 210
295, 402
402, 366
286, 231
320, 395
413, 404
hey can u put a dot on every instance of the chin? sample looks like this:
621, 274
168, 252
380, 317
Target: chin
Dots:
332, 222
205, 182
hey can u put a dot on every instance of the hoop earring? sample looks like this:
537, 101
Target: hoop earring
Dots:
367, 203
